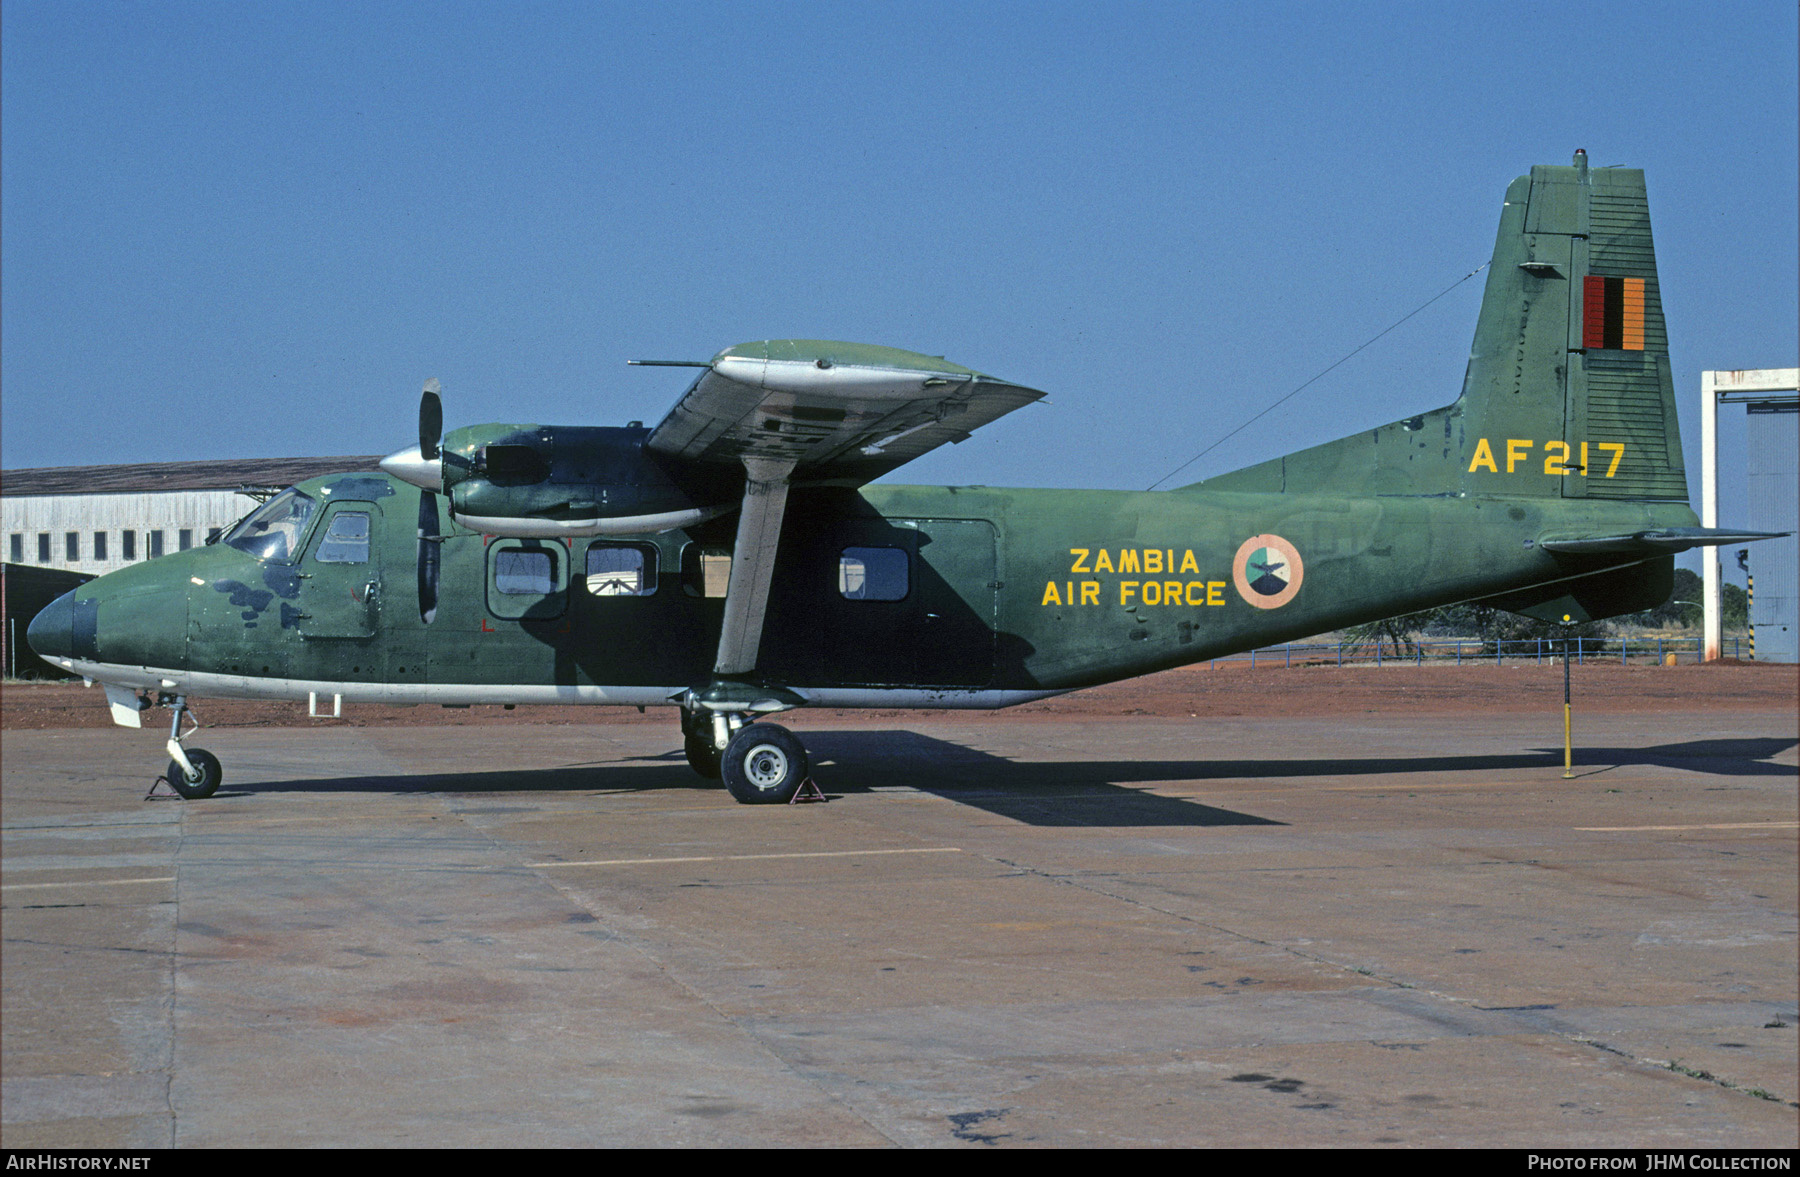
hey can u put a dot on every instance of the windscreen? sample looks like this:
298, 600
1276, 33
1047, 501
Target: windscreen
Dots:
272, 532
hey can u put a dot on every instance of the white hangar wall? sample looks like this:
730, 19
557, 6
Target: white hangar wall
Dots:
99, 533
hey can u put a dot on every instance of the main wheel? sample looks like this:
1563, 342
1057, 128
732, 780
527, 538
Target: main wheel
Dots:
764, 764
205, 784
702, 757
697, 742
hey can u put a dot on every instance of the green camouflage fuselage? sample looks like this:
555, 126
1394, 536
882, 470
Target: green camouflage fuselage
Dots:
1010, 591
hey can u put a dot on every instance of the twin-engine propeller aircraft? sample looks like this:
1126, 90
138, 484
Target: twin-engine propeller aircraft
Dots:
735, 561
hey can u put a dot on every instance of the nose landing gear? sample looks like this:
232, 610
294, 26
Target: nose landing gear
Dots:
193, 772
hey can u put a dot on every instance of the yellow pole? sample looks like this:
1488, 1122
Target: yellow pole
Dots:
1568, 745
1568, 735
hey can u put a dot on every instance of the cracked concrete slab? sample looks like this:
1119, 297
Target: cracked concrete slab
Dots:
1063, 933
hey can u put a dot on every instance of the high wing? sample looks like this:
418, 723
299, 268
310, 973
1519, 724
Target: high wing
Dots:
808, 412
841, 413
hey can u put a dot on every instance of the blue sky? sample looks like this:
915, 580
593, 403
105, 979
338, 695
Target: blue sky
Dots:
254, 229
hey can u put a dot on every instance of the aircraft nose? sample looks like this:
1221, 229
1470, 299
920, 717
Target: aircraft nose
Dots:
52, 631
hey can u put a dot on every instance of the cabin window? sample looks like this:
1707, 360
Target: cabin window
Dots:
621, 570
18, 547
705, 570
153, 544
128, 545
527, 578
520, 573
99, 545
873, 574
346, 539
72, 546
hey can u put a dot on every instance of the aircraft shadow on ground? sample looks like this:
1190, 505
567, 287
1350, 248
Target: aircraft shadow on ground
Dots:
1085, 793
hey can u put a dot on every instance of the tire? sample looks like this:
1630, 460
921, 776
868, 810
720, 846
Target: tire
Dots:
204, 785
696, 740
764, 764
702, 757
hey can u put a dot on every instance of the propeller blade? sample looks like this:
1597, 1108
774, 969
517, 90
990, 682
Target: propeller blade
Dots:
431, 420
430, 548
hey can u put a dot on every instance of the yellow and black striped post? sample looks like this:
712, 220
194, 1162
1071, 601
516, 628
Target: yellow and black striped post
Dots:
1749, 598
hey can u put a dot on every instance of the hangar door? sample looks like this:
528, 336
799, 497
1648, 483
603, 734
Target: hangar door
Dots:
1774, 472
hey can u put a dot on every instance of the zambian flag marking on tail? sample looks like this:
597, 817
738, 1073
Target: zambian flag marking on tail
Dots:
1612, 313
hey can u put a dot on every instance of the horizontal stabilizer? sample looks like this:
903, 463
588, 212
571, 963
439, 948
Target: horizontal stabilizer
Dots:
1662, 539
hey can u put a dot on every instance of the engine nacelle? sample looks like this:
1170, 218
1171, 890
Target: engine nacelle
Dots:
548, 481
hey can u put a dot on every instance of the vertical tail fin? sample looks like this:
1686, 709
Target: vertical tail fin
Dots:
1568, 391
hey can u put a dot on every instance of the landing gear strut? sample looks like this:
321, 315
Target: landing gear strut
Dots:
193, 772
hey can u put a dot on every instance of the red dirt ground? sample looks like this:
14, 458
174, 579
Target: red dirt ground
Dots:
1230, 689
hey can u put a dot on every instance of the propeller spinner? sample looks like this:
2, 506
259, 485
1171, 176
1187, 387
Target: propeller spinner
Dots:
423, 465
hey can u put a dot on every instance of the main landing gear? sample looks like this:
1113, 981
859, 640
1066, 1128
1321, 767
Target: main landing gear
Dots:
761, 763
193, 772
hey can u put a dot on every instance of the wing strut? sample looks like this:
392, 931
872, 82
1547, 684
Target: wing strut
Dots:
753, 563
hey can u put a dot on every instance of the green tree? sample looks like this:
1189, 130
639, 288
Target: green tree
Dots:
1683, 608
1734, 607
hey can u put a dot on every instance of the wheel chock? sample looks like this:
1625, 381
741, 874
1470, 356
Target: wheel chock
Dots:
808, 791
153, 795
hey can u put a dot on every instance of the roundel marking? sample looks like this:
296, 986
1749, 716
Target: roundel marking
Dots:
1267, 570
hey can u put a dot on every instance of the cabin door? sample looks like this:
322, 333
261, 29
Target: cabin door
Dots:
911, 604
340, 593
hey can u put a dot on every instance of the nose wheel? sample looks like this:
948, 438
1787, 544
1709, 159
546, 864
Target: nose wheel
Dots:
204, 781
194, 773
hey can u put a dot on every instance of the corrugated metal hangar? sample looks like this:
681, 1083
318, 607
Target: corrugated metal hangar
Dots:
1773, 565
1771, 400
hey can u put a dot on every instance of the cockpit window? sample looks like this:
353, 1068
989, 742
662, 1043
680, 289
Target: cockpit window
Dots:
346, 539
272, 531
